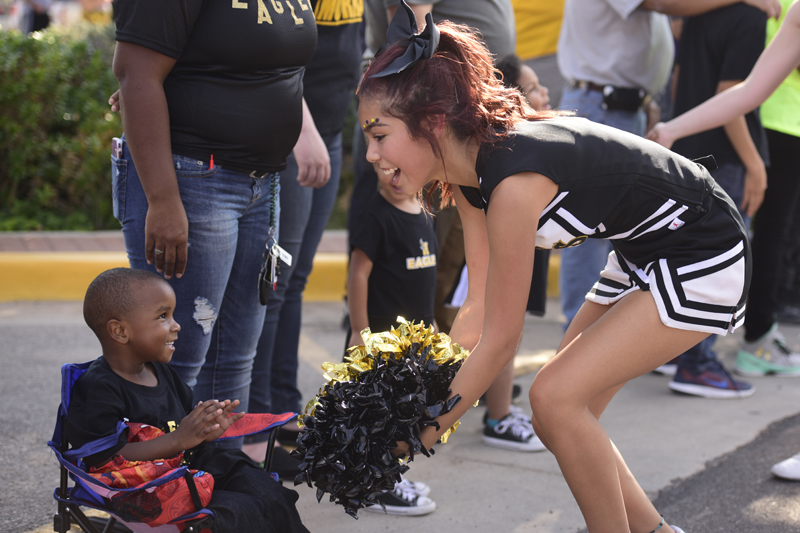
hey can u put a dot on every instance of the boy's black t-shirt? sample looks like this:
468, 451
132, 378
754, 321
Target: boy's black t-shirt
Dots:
333, 72
100, 399
236, 89
720, 45
403, 251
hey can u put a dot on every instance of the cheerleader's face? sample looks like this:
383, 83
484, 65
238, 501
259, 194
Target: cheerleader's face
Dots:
406, 163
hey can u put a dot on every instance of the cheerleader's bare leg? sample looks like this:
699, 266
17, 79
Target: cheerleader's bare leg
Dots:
604, 347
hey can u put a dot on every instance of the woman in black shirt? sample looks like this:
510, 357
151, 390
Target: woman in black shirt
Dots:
211, 100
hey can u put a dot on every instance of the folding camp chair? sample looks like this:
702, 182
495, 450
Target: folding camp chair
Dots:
87, 491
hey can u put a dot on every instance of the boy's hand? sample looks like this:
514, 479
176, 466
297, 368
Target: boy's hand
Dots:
198, 424
224, 420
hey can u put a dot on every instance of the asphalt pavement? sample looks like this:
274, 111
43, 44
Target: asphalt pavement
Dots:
704, 462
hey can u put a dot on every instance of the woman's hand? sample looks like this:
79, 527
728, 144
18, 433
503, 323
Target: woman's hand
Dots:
166, 227
166, 234
141, 73
113, 101
311, 154
401, 449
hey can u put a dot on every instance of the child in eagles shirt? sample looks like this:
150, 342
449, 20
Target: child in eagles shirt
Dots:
392, 261
393, 273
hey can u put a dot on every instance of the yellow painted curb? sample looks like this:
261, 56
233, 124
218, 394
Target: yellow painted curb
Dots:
328, 279
52, 275
529, 362
37, 276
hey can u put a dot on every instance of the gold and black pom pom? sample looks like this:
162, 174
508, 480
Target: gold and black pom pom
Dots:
384, 393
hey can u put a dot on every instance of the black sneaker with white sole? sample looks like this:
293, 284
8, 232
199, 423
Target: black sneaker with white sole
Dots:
513, 432
404, 500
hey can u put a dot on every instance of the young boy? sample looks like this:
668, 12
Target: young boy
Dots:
131, 312
392, 262
393, 273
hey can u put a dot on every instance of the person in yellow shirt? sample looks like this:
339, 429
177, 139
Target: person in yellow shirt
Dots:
97, 11
538, 26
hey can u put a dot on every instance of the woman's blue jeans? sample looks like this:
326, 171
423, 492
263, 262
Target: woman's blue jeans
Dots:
303, 217
217, 297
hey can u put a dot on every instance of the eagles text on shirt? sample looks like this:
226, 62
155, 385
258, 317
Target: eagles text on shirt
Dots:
425, 260
263, 12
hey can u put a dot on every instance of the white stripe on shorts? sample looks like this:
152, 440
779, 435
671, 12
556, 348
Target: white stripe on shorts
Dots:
703, 296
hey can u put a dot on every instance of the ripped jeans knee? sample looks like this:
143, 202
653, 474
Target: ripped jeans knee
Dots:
204, 314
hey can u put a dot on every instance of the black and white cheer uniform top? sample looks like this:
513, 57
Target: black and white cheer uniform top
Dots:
674, 232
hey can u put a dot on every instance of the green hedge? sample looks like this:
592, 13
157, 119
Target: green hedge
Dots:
56, 129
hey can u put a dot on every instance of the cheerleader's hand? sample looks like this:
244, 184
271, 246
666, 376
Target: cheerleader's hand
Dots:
660, 134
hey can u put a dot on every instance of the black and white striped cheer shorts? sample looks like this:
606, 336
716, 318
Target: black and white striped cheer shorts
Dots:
699, 281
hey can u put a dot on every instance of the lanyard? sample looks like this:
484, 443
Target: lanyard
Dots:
268, 277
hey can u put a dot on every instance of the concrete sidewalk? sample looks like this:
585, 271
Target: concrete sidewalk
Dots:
687, 452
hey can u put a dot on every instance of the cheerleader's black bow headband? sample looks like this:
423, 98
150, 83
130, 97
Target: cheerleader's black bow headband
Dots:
403, 27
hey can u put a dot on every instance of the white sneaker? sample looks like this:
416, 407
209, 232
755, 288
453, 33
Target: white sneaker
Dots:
668, 369
416, 486
676, 529
788, 469
521, 415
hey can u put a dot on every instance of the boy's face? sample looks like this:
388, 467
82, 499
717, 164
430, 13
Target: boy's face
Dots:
387, 183
151, 329
536, 93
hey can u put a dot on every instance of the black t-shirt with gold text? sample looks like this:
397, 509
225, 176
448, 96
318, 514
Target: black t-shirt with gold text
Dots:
403, 250
236, 89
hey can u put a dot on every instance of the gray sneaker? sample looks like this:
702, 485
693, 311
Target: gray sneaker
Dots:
768, 355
